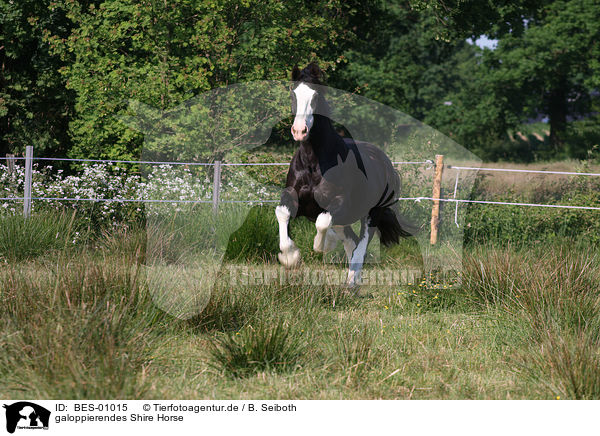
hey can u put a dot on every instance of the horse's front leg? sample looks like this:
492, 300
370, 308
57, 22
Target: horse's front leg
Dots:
358, 254
325, 239
290, 254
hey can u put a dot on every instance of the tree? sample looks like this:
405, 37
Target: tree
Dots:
546, 61
553, 66
162, 53
398, 59
459, 19
34, 105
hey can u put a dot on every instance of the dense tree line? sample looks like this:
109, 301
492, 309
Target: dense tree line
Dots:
68, 67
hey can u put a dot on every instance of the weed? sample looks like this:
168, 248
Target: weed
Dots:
264, 347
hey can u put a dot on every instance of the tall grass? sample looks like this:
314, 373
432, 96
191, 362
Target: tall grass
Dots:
26, 238
554, 292
265, 346
79, 328
355, 351
81, 323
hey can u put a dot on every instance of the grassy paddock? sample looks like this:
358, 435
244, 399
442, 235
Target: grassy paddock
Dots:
79, 322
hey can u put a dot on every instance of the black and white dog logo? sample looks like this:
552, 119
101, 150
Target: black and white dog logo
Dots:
26, 415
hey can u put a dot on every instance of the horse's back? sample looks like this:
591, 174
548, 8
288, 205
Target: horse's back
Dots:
381, 174
365, 180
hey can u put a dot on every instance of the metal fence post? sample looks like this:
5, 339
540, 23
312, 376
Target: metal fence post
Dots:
216, 186
437, 188
27, 196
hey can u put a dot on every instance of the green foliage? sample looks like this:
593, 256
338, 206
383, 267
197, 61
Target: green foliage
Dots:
544, 63
583, 138
164, 53
548, 68
34, 104
458, 18
398, 60
531, 225
70, 68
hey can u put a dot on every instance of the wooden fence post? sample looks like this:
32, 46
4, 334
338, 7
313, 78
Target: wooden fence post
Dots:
10, 163
27, 196
437, 188
216, 186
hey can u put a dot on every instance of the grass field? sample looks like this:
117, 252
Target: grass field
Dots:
79, 322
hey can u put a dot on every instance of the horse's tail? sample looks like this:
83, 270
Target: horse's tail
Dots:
391, 226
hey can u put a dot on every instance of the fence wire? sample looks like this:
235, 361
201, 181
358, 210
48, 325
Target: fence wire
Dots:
417, 199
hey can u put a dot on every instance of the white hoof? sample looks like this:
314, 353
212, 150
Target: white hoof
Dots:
290, 254
282, 213
353, 279
289, 258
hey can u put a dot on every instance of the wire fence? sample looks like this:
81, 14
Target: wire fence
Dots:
217, 165
65, 159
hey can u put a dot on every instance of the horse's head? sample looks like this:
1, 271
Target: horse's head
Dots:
305, 99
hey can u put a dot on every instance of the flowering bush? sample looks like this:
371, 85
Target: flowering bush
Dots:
105, 193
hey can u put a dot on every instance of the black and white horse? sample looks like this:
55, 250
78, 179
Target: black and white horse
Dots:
335, 182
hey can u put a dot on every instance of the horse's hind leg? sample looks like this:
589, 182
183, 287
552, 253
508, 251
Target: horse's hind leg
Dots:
290, 254
358, 254
348, 238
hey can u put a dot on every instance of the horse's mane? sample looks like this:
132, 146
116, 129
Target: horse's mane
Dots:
310, 74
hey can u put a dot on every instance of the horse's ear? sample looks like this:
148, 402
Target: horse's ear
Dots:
315, 71
295, 73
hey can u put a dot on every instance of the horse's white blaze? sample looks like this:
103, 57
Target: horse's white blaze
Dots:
322, 224
290, 254
304, 112
358, 257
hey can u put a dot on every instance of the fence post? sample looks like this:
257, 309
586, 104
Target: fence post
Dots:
216, 186
437, 188
10, 163
27, 196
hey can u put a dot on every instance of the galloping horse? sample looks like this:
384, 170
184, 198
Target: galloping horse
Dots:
335, 182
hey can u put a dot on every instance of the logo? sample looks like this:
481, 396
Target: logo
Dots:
26, 415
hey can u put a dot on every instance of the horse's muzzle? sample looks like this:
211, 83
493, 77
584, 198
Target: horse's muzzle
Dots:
299, 132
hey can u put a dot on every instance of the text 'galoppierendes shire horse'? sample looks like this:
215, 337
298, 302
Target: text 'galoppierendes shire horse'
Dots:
335, 182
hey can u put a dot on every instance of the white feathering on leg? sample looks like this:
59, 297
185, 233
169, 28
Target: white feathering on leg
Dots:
290, 254
322, 224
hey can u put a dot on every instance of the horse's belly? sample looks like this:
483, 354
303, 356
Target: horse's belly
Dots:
307, 205
345, 205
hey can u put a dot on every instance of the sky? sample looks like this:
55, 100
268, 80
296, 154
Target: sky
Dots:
484, 42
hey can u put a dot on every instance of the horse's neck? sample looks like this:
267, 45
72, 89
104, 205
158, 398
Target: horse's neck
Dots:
326, 144
325, 141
